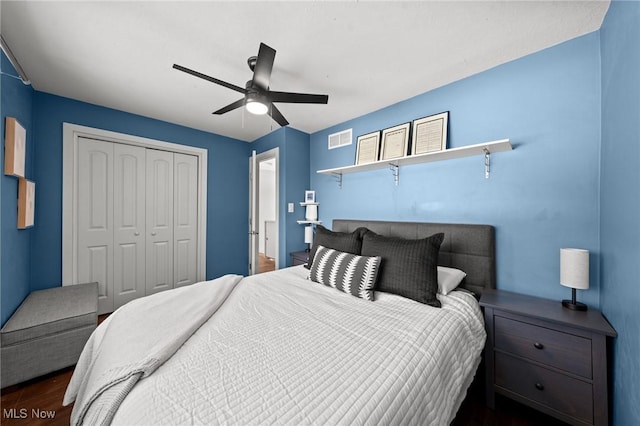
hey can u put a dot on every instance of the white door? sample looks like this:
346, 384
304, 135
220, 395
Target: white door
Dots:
253, 215
254, 206
129, 223
185, 266
95, 219
270, 238
159, 221
134, 214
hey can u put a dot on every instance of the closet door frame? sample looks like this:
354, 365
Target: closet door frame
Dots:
71, 134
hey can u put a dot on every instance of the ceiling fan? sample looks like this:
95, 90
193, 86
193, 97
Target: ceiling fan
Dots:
258, 99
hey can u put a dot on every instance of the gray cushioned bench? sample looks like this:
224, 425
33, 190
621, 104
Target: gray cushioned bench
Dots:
47, 332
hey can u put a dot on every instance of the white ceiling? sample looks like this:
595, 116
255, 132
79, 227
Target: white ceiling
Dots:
364, 55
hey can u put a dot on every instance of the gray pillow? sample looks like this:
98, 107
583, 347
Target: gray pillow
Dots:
349, 242
409, 267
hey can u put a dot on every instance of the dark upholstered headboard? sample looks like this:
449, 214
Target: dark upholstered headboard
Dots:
470, 248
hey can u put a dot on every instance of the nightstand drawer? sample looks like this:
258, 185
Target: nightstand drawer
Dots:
554, 348
565, 394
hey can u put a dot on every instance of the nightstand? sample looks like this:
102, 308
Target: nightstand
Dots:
299, 257
546, 356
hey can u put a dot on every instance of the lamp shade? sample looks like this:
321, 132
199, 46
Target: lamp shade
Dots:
574, 268
311, 213
308, 234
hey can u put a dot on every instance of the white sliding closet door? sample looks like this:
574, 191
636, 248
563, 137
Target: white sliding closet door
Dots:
134, 214
185, 266
129, 223
95, 218
159, 214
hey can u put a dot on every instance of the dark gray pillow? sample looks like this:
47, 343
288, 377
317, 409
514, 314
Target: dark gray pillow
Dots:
409, 267
349, 242
349, 273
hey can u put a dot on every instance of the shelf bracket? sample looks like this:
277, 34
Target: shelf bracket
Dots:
487, 162
395, 171
338, 178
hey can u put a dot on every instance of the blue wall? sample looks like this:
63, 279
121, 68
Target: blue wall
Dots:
297, 181
226, 188
294, 180
620, 200
17, 102
541, 196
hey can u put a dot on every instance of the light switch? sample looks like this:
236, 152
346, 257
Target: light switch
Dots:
291, 207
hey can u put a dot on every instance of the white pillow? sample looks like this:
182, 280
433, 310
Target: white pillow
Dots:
449, 279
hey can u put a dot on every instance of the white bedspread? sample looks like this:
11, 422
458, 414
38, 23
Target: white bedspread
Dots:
134, 341
285, 350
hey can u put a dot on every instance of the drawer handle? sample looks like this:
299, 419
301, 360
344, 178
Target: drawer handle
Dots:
538, 345
539, 386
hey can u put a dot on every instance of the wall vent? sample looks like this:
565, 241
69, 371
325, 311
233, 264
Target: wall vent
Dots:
343, 138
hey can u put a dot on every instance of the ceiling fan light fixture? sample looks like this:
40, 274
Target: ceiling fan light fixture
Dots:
256, 107
256, 104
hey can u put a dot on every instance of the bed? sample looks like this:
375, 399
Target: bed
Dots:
278, 348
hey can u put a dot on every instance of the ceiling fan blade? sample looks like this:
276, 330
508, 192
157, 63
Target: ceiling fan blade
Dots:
298, 98
237, 104
264, 65
277, 115
211, 79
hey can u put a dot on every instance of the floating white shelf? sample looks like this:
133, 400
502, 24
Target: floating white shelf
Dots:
309, 222
485, 149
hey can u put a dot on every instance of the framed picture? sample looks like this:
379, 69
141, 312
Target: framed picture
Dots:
368, 148
430, 134
15, 141
395, 142
26, 203
309, 196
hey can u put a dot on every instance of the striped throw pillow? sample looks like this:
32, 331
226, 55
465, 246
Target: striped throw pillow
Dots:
349, 273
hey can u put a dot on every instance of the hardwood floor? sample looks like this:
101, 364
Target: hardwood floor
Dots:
266, 264
38, 401
45, 394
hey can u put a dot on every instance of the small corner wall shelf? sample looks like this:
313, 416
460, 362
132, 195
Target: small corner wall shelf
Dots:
485, 149
309, 222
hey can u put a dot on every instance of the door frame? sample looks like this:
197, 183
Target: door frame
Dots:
71, 134
274, 154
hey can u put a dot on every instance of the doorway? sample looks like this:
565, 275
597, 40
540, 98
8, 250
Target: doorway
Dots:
263, 232
268, 238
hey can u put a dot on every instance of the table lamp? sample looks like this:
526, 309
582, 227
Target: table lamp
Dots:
574, 273
308, 236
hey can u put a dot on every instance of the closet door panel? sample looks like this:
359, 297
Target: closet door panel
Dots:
186, 219
159, 221
129, 223
95, 219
